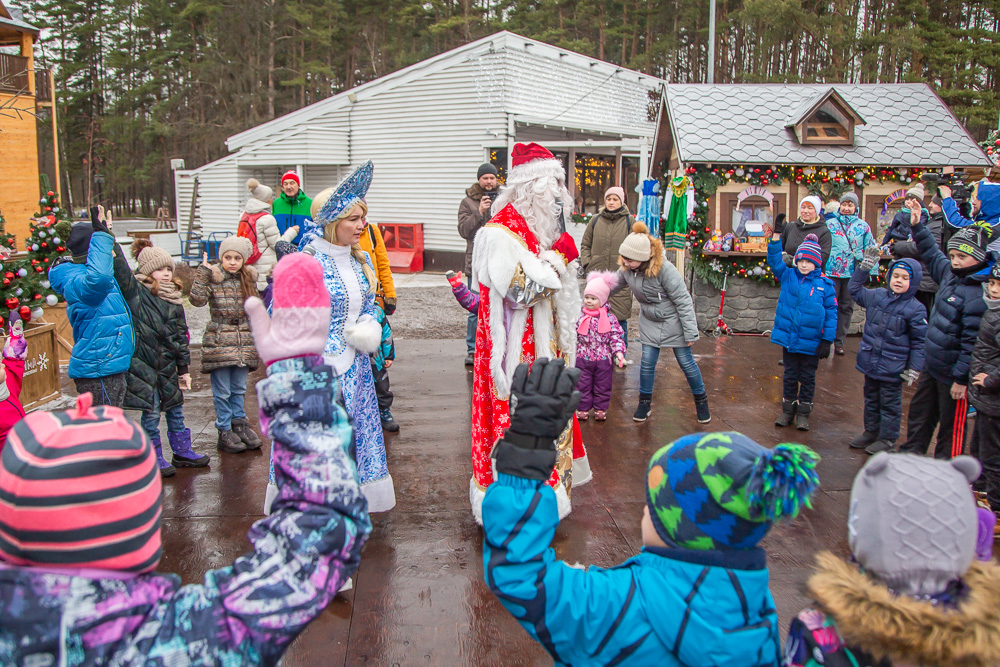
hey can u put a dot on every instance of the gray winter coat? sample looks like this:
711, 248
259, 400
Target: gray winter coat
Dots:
666, 311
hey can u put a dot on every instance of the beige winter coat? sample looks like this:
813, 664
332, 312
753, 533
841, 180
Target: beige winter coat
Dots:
267, 237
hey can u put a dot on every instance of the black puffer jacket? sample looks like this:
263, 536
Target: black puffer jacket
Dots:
953, 325
986, 359
161, 343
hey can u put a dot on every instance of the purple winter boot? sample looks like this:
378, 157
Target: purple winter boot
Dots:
184, 456
166, 470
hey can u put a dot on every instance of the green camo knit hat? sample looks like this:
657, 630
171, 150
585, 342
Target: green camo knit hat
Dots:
719, 491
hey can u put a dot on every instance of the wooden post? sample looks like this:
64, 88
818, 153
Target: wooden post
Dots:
55, 135
618, 166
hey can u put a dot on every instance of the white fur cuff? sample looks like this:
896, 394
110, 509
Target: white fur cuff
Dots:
364, 336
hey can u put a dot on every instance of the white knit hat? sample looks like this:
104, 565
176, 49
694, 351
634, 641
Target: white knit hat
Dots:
236, 243
259, 191
637, 246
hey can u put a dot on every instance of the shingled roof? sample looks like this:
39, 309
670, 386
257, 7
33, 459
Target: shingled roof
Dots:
906, 124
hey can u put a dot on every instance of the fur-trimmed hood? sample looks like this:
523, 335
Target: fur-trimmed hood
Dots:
218, 274
476, 191
910, 631
656, 259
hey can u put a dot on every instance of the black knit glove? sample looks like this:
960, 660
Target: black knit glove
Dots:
823, 351
542, 403
779, 223
390, 305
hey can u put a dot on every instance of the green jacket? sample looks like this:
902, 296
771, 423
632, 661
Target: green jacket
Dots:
292, 211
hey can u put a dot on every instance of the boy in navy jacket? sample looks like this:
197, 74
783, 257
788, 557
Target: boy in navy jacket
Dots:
696, 595
952, 328
892, 346
805, 324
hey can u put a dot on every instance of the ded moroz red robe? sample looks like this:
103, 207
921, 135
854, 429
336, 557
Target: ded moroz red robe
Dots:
529, 302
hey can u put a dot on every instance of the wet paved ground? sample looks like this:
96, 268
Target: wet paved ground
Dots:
419, 596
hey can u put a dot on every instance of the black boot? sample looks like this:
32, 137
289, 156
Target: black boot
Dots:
645, 407
787, 413
863, 440
701, 406
802, 415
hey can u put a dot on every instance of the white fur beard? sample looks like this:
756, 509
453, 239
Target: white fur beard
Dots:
536, 202
567, 303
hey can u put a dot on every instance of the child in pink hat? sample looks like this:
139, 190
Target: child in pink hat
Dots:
599, 338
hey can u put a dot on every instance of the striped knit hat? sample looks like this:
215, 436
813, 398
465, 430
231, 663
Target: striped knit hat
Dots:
717, 491
810, 250
80, 488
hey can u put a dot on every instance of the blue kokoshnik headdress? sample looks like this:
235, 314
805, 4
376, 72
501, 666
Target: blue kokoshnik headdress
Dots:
350, 192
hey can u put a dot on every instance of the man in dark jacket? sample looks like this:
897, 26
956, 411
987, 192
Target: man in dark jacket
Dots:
984, 393
908, 248
810, 221
892, 346
951, 335
102, 325
473, 213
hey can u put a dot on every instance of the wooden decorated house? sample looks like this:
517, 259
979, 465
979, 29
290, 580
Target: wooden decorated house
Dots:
754, 150
22, 90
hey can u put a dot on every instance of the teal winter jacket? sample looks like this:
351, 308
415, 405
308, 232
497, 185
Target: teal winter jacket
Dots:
102, 325
664, 607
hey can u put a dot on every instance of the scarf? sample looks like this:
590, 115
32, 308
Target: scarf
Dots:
168, 291
603, 323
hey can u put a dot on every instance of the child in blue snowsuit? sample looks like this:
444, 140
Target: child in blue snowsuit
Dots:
892, 346
805, 324
698, 592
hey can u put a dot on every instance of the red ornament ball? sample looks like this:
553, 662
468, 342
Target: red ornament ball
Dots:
50, 193
37, 297
45, 259
997, 142
25, 313
8, 275
763, 181
12, 302
39, 269
60, 249
45, 244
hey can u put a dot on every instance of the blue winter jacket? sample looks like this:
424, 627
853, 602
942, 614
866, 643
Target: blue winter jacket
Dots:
953, 325
807, 306
895, 326
989, 209
102, 326
664, 607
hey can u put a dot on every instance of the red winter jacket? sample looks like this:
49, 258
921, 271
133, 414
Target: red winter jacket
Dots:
11, 411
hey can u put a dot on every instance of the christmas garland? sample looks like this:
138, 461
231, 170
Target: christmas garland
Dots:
992, 146
824, 181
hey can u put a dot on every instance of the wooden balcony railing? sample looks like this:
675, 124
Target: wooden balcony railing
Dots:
43, 89
14, 74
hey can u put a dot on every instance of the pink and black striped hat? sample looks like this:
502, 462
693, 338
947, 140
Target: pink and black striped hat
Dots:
80, 488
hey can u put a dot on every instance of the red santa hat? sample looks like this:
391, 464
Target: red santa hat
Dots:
290, 176
531, 161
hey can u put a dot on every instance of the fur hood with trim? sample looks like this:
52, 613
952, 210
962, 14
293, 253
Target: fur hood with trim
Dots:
908, 631
218, 274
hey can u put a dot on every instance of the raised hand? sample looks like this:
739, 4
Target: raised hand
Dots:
872, 254
301, 307
204, 260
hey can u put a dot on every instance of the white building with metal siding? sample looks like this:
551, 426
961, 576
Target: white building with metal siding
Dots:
429, 126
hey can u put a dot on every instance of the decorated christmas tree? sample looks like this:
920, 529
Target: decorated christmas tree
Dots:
46, 241
12, 275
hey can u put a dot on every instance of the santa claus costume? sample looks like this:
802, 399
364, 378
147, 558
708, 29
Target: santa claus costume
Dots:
526, 267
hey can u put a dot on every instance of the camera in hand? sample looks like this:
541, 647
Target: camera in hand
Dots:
490, 195
960, 192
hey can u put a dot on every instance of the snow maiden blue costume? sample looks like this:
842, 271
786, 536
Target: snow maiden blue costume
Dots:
354, 333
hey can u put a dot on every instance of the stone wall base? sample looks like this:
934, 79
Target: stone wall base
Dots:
749, 306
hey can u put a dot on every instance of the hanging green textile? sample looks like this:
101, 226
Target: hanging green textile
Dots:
675, 224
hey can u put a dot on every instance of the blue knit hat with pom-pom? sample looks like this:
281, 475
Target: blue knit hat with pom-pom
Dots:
719, 491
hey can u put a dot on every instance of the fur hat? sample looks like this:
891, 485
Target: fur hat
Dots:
99, 464
912, 520
851, 197
810, 249
715, 491
531, 161
259, 191
813, 201
237, 243
486, 168
637, 245
615, 190
973, 240
599, 284
916, 192
152, 259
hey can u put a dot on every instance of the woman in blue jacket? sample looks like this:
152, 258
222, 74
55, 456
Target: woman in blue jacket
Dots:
103, 340
805, 324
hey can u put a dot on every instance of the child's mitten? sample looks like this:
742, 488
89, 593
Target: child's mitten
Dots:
454, 279
911, 375
301, 307
871, 258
